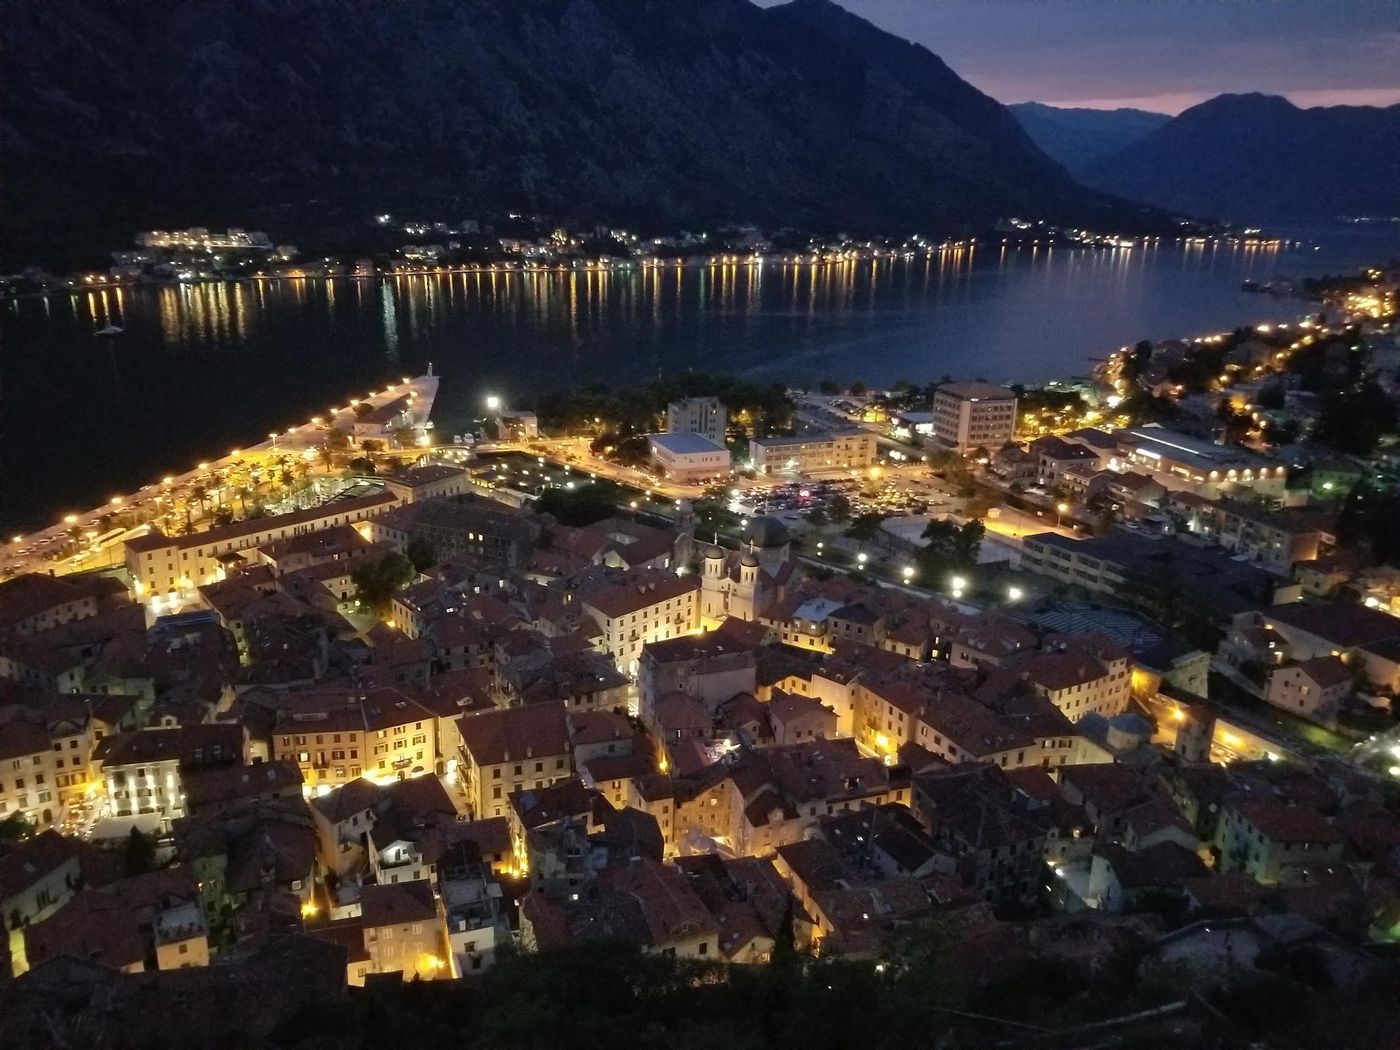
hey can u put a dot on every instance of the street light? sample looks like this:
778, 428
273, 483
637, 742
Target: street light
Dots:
861, 558
273, 435
908, 573
492, 402
959, 583
1060, 509
1014, 594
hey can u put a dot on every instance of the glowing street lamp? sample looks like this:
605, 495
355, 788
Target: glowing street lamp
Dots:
1014, 594
1060, 510
908, 573
492, 402
862, 558
959, 583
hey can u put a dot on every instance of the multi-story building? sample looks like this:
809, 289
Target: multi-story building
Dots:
512, 749
455, 526
1111, 564
404, 930
645, 605
1277, 539
1276, 842
432, 481
200, 239
1079, 683
27, 778
36, 877
687, 458
35, 602
711, 667
143, 771
1179, 461
705, 416
815, 453
1314, 688
336, 736
164, 566
974, 415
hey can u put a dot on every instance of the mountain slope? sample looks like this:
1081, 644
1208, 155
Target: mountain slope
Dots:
304, 116
1260, 158
1080, 138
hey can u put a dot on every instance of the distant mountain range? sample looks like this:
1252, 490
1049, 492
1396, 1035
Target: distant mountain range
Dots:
1081, 138
1259, 158
304, 117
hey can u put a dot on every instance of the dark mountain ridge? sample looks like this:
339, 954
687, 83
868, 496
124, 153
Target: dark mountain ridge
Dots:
1079, 138
305, 116
1260, 158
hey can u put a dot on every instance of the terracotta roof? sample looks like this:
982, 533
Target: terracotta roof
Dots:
1326, 671
33, 859
1344, 624
1284, 822
397, 904
636, 590
493, 737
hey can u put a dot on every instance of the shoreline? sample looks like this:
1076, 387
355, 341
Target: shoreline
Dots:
319, 272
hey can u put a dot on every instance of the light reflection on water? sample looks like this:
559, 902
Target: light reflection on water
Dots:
202, 366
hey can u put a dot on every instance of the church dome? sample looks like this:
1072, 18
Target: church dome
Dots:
714, 554
748, 558
767, 534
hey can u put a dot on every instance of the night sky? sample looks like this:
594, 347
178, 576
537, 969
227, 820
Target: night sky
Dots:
1162, 55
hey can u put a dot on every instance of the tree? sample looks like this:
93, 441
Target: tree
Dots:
138, 853
222, 516
15, 828
363, 409
839, 508
580, 506
865, 527
422, 552
377, 581
1355, 420
858, 389
951, 548
405, 437
828, 387
337, 439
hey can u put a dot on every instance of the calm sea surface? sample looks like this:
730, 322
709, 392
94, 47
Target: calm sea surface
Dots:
203, 368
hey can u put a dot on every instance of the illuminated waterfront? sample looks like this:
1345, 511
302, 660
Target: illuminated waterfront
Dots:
206, 366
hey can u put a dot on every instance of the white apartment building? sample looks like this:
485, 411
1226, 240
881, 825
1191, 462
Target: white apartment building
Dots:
687, 457
974, 415
705, 416
839, 450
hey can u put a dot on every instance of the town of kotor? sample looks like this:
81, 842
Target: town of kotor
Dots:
747, 524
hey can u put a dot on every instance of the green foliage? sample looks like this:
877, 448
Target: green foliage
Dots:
760, 408
580, 506
15, 828
138, 854
1367, 519
377, 581
865, 527
958, 543
838, 508
422, 553
1355, 420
